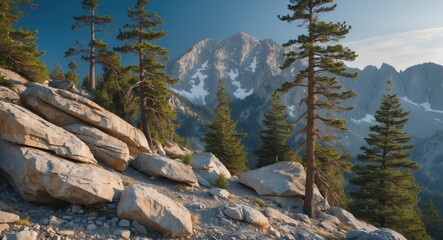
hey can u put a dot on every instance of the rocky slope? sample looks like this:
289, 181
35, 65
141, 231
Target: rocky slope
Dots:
69, 169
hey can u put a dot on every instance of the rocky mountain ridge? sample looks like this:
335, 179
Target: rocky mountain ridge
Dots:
95, 177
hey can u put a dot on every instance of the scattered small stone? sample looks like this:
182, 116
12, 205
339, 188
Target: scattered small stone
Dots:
76, 208
6, 217
274, 232
105, 225
55, 221
140, 229
302, 217
126, 234
68, 218
36, 227
81, 211
91, 227
25, 234
101, 219
222, 193
111, 206
226, 222
114, 219
124, 223
91, 218
68, 233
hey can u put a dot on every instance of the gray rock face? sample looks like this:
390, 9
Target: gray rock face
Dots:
8, 95
64, 108
38, 176
155, 211
379, 234
159, 166
21, 126
105, 148
283, 182
209, 167
286, 179
348, 219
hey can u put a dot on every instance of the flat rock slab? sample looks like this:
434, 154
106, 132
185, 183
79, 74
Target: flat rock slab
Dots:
105, 148
64, 108
41, 177
159, 166
155, 211
348, 219
23, 127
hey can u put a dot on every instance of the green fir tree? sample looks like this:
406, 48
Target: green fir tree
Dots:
388, 194
57, 73
432, 220
71, 75
222, 138
140, 38
95, 23
18, 49
276, 132
325, 60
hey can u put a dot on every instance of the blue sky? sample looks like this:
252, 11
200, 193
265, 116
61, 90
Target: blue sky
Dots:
399, 32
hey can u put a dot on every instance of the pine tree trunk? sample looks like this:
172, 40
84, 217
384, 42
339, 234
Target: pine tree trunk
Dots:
143, 107
92, 56
310, 141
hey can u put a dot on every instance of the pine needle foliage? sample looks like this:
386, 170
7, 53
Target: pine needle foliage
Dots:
276, 132
140, 38
18, 49
388, 194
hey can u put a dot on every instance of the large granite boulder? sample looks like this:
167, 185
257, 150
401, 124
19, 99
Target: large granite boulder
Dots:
105, 148
155, 211
64, 108
172, 149
159, 166
209, 167
20, 126
284, 183
41, 177
348, 219
8, 95
16, 83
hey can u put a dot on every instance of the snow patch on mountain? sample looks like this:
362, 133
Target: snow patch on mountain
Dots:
367, 119
240, 92
253, 65
197, 91
426, 105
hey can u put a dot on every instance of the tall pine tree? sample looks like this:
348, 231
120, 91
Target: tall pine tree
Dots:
222, 138
94, 23
324, 62
388, 194
18, 50
152, 86
274, 135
